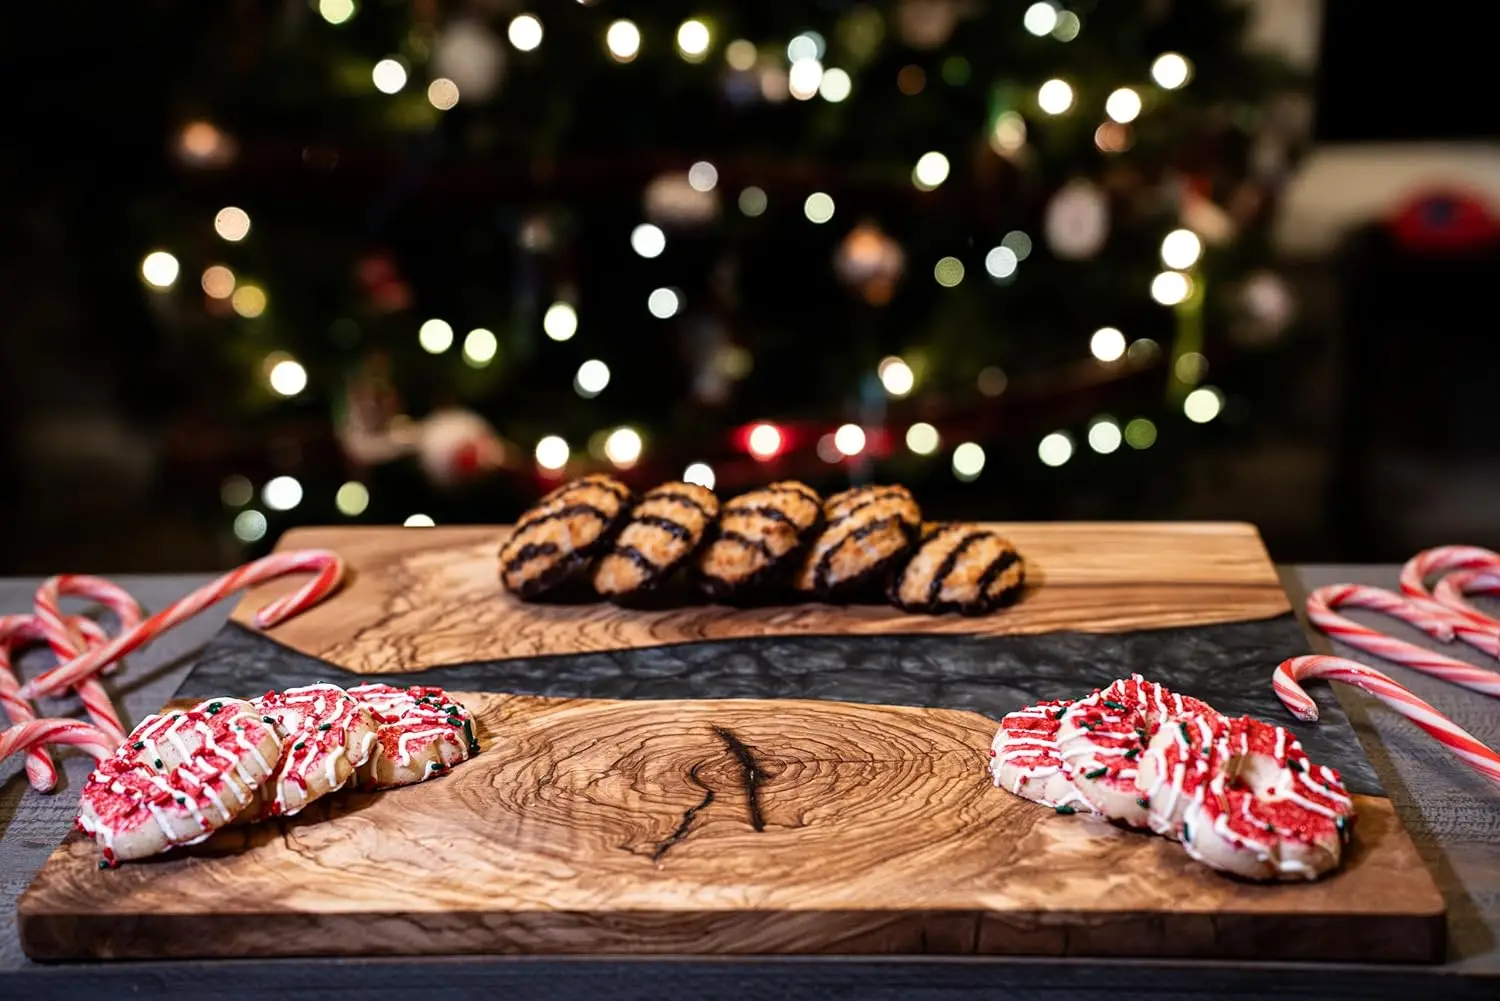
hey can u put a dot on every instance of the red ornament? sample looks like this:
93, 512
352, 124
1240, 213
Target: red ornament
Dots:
1444, 220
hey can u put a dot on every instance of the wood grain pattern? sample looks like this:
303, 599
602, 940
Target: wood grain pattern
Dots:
420, 598
719, 827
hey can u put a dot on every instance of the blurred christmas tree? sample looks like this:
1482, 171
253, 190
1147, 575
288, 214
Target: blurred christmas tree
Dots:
425, 257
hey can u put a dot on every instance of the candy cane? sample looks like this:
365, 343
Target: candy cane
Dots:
16, 630
330, 573
59, 633
55, 626
1458, 740
1451, 590
1423, 613
34, 733
1477, 571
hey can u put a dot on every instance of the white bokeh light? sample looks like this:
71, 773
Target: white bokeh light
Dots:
435, 336
703, 176
1181, 249
922, 438
552, 452
281, 493
1107, 344
818, 208
648, 240
931, 170
1203, 404
1055, 449
663, 303
1170, 288
1104, 436
560, 322
968, 461
592, 378
1124, 105
525, 32
389, 76
896, 376
623, 447
623, 39
160, 269
700, 473
1054, 97
1040, 19
849, 439
287, 377
1170, 71
764, 441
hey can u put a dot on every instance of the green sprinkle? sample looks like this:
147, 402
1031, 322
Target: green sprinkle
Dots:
473, 741
267, 719
158, 762
1294, 765
181, 800
1186, 834
1143, 803
1097, 773
326, 726
1271, 828
214, 707
1130, 754
139, 745
1186, 736
1065, 810
103, 864
299, 745
1339, 823
1114, 705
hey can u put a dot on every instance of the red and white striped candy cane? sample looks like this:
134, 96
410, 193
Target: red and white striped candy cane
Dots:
55, 625
37, 732
1424, 613
16, 630
1452, 589
1467, 570
330, 573
1465, 745
59, 632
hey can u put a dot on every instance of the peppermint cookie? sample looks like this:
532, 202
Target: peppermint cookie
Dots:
560, 536
1181, 760
177, 778
959, 568
761, 534
1268, 813
1024, 758
1103, 737
419, 733
867, 533
665, 529
325, 736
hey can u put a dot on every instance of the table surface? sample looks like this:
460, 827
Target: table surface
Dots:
1450, 812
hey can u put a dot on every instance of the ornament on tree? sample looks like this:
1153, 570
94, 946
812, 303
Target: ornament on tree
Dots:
1267, 308
671, 200
387, 291
457, 446
470, 55
871, 262
1077, 220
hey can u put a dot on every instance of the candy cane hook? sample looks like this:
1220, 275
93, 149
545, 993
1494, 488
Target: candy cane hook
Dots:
1463, 744
330, 573
16, 630
1423, 613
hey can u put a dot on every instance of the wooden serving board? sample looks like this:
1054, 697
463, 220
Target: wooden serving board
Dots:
718, 827
423, 597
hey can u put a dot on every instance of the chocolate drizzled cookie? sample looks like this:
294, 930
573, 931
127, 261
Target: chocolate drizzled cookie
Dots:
562, 533
666, 528
761, 535
867, 535
959, 568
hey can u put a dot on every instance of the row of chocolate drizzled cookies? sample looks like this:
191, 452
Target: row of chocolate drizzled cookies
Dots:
782, 540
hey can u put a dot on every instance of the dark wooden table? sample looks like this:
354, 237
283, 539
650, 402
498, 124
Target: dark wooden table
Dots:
1452, 815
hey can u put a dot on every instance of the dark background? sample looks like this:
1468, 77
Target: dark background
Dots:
1361, 433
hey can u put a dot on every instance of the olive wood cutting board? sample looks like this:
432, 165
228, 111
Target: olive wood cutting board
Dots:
718, 826
424, 597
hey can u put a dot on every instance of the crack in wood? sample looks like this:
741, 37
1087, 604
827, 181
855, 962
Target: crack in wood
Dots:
687, 817
750, 774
